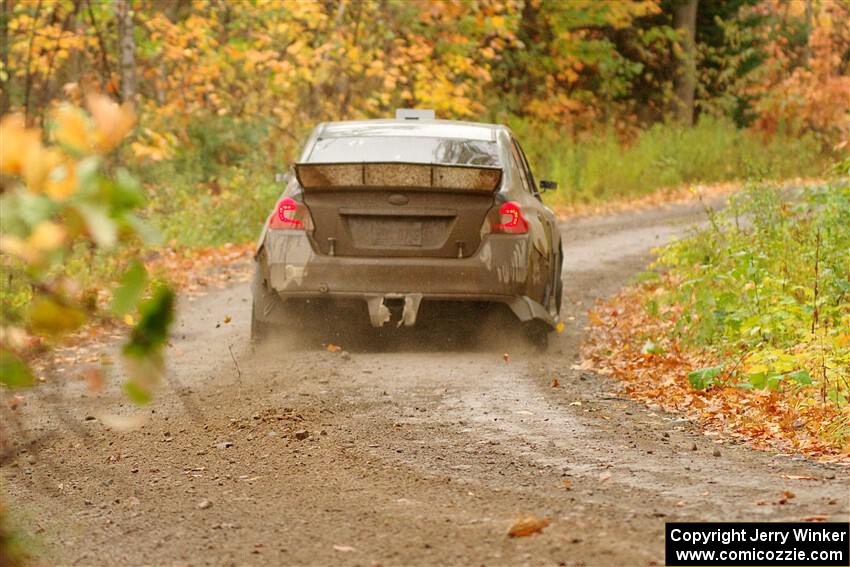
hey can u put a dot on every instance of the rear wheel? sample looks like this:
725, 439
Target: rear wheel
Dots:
559, 282
259, 329
537, 334
265, 305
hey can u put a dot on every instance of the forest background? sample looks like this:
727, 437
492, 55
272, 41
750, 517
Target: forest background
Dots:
611, 98
193, 106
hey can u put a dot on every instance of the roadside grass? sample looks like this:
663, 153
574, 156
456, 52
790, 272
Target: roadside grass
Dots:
748, 326
230, 208
600, 168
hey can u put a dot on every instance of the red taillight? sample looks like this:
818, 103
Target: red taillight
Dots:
512, 221
287, 216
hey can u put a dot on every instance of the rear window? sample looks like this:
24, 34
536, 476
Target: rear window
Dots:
411, 149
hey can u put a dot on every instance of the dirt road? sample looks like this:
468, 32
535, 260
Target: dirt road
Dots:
393, 456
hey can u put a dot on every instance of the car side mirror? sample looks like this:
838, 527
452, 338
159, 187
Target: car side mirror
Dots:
548, 185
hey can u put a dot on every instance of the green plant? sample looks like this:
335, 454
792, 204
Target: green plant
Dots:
601, 167
767, 286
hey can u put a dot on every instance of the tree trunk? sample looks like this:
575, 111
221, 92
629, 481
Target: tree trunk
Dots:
685, 22
807, 53
5, 83
126, 48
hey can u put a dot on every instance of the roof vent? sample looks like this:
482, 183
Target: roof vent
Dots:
414, 114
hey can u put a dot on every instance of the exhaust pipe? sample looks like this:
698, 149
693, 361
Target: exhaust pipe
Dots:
379, 313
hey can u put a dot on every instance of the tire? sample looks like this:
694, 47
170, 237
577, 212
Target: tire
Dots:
259, 330
559, 293
263, 300
559, 283
537, 334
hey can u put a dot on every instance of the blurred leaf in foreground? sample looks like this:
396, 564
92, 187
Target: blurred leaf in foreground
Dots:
132, 286
49, 316
13, 372
59, 197
143, 358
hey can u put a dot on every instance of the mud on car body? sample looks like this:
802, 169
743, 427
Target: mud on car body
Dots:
394, 215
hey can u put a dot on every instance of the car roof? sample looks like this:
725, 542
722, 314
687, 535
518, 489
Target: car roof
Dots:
424, 128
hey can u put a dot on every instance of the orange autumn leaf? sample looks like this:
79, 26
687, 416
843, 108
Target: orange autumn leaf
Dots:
798, 477
527, 525
61, 181
72, 129
594, 318
38, 164
112, 121
17, 144
47, 236
94, 379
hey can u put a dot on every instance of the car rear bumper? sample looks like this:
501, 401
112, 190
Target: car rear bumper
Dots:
497, 273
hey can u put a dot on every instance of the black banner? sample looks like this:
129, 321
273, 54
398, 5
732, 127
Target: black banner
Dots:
762, 544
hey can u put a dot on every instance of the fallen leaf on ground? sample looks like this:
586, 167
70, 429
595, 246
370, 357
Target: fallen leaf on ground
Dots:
603, 476
506, 357
555, 383
227, 319
576, 403
123, 422
786, 496
527, 525
15, 401
566, 482
799, 477
93, 378
754, 415
332, 348
560, 327
343, 548
815, 518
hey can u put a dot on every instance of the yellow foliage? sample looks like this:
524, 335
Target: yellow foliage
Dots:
72, 129
112, 122
18, 247
61, 182
154, 146
49, 316
19, 145
47, 236
42, 169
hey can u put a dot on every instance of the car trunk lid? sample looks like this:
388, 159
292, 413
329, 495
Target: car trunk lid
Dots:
398, 209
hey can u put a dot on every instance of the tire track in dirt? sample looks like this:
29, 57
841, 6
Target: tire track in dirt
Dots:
413, 455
